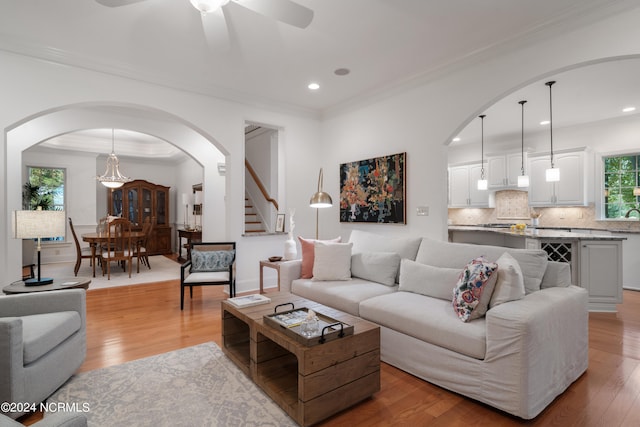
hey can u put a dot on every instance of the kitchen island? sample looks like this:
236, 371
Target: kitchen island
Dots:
595, 259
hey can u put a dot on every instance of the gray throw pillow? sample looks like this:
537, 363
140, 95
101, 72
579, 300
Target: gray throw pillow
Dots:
379, 267
204, 261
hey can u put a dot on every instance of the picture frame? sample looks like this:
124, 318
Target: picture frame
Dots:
280, 223
374, 190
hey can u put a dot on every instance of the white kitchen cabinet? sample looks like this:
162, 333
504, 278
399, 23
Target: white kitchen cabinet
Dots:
571, 190
503, 171
601, 273
630, 264
463, 187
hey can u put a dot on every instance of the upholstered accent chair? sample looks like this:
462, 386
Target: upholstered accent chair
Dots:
210, 264
58, 419
42, 343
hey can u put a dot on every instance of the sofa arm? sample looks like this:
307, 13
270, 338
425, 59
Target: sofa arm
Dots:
545, 338
289, 271
11, 359
44, 302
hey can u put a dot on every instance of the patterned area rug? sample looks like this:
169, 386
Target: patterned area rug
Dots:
194, 386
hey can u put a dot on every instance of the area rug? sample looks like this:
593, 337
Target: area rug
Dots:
162, 268
194, 386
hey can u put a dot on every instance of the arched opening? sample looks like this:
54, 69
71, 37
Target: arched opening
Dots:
202, 150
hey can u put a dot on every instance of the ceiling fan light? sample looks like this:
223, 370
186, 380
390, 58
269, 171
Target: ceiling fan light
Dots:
523, 181
206, 6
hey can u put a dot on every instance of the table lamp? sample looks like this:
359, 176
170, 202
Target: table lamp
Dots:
36, 225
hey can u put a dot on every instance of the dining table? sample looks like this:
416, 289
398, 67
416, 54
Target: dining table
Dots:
97, 239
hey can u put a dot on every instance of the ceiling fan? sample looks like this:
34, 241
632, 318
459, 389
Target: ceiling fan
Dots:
285, 11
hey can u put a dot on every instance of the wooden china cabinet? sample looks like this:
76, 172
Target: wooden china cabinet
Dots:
138, 200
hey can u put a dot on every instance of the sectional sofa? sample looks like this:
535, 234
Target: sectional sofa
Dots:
518, 357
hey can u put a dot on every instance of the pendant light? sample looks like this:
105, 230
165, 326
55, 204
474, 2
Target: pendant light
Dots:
552, 174
112, 178
523, 180
482, 182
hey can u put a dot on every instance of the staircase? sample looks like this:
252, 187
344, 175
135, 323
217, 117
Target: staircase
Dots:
252, 223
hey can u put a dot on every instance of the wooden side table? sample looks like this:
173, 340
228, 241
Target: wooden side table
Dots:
191, 236
269, 264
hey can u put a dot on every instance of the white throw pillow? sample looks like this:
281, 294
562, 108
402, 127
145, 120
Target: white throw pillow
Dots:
436, 282
510, 284
379, 267
533, 265
332, 261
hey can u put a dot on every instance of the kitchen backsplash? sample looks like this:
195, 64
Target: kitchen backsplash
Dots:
506, 201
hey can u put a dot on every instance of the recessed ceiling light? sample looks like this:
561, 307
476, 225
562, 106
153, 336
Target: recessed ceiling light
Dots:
313, 86
628, 109
544, 122
456, 139
342, 71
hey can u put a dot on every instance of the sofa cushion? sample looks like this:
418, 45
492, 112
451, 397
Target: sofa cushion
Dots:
510, 283
41, 333
332, 261
308, 255
557, 275
380, 267
428, 319
437, 282
211, 260
473, 291
533, 262
405, 247
342, 295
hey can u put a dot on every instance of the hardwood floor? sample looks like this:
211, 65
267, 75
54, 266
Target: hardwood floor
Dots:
128, 323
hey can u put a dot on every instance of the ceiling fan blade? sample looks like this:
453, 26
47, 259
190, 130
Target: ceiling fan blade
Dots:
216, 31
117, 3
282, 10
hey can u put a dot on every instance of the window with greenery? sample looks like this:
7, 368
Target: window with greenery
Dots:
45, 189
620, 180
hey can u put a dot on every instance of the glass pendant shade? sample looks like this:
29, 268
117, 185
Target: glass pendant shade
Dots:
552, 175
523, 180
483, 184
112, 178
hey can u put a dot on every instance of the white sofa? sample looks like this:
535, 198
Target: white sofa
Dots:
518, 357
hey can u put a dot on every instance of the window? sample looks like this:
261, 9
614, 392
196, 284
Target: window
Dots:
44, 188
620, 181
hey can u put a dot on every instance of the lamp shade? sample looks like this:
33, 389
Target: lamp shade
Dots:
198, 198
523, 180
38, 224
552, 175
185, 199
320, 199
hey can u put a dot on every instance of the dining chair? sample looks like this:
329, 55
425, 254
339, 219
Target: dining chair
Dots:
81, 251
119, 246
142, 251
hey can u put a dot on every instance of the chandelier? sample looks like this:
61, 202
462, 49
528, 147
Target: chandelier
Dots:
112, 178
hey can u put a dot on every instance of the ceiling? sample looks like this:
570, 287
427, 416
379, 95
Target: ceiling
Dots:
384, 43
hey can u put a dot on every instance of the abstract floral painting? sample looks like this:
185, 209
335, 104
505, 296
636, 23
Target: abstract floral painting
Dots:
373, 190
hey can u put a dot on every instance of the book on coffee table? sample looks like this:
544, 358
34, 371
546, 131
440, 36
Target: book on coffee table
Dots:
249, 300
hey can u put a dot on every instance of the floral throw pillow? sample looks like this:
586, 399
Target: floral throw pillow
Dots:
205, 261
473, 291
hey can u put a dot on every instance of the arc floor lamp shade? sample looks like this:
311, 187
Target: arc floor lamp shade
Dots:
38, 224
320, 200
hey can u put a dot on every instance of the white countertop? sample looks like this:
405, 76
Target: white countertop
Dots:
534, 233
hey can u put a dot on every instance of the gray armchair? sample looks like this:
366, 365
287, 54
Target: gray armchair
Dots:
42, 343
58, 419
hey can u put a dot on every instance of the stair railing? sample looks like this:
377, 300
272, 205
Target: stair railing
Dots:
260, 185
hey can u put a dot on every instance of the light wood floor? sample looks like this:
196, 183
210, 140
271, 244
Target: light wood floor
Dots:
128, 323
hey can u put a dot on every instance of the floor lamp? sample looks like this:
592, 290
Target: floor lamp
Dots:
320, 200
36, 225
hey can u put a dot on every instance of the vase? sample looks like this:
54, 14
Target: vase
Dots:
535, 222
290, 251
353, 211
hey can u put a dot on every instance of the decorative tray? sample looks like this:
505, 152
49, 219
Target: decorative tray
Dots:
290, 323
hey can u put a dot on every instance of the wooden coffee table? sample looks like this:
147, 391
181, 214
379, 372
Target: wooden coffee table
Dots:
19, 287
310, 383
